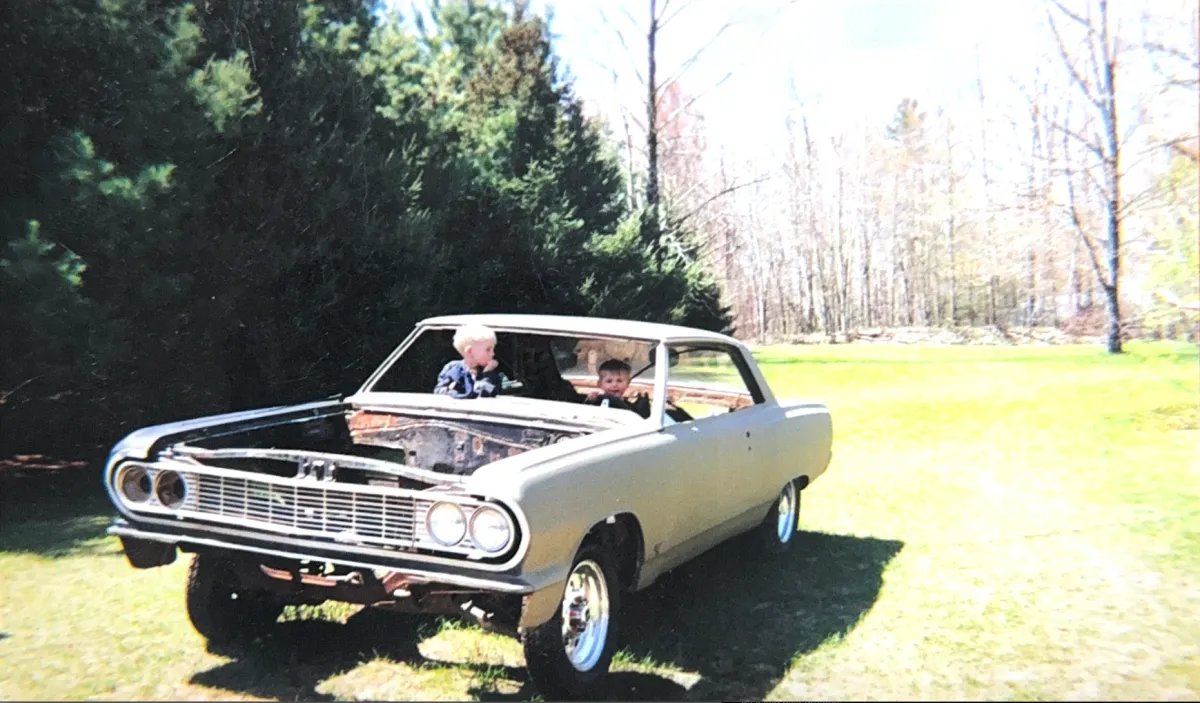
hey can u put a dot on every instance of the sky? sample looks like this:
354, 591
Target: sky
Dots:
845, 63
850, 62
846, 60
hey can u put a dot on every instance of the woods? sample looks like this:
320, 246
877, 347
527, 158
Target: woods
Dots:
1039, 196
233, 204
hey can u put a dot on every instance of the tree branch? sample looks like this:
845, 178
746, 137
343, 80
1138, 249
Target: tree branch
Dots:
1066, 57
721, 193
664, 19
683, 108
1078, 18
662, 11
1092, 146
683, 68
5, 395
1172, 52
1077, 219
624, 45
1181, 146
1087, 241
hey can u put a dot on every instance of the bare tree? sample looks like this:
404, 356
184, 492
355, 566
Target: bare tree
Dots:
947, 221
1095, 76
951, 221
1176, 62
655, 83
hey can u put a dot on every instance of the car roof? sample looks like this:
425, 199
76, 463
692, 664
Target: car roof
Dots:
579, 325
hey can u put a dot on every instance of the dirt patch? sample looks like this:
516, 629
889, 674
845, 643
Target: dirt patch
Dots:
1180, 416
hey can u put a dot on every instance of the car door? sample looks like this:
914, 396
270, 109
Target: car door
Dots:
695, 467
716, 445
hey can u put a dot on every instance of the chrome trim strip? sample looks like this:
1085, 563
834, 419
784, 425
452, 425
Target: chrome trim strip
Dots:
430, 576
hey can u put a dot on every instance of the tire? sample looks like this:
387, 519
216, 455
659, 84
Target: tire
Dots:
562, 673
777, 532
219, 608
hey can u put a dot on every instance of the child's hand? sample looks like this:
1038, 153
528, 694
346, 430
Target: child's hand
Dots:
594, 395
491, 365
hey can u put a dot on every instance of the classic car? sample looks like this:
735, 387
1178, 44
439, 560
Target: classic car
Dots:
532, 511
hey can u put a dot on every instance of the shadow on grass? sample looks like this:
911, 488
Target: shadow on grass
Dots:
739, 624
297, 656
52, 513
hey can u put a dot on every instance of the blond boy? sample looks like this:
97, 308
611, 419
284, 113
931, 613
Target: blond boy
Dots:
475, 375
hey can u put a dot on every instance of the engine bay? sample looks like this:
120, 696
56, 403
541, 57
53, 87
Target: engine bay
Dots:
370, 447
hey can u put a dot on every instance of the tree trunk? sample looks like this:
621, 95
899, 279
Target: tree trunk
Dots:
652, 114
1113, 306
1115, 215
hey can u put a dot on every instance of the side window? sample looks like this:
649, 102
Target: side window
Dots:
708, 381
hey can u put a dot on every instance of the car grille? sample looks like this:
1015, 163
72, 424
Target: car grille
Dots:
324, 510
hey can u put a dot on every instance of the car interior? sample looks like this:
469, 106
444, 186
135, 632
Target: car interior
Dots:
563, 368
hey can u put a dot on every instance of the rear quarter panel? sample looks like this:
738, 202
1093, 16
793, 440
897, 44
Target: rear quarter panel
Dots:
798, 440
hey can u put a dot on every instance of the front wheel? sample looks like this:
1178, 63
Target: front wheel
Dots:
778, 529
568, 656
220, 608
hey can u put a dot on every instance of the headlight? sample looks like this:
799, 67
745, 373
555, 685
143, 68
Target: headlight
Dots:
171, 489
134, 483
446, 524
490, 530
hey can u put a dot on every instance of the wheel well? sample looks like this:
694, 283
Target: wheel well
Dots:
622, 535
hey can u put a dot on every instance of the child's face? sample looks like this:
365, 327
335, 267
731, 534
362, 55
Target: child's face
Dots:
481, 353
614, 382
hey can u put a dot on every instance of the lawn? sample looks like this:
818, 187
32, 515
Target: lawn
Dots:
997, 523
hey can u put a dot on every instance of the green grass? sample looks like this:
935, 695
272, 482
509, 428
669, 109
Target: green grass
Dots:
997, 523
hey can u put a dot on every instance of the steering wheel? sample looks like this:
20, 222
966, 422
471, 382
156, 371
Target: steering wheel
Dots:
613, 401
506, 372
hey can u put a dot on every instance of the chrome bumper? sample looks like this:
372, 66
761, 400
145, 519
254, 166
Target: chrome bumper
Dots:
254, 545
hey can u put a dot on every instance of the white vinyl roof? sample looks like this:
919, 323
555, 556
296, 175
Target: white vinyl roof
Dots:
581, 326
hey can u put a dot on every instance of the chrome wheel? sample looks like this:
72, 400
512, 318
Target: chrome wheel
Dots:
585, 614
785, 523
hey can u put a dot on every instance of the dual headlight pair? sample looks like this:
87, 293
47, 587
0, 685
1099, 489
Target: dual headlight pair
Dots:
137, 484
489, 528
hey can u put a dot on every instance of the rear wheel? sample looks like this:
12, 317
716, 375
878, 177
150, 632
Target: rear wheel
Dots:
778, 529
220, 608
569, 655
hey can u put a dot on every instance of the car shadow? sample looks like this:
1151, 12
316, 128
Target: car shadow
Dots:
740, 623
730, 625
292, 660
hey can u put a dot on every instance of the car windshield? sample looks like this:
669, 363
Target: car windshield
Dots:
534, 365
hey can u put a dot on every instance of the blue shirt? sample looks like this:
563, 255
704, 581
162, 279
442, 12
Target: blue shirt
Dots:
456, 381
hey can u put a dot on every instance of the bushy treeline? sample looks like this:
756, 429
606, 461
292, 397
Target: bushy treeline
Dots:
237, 203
